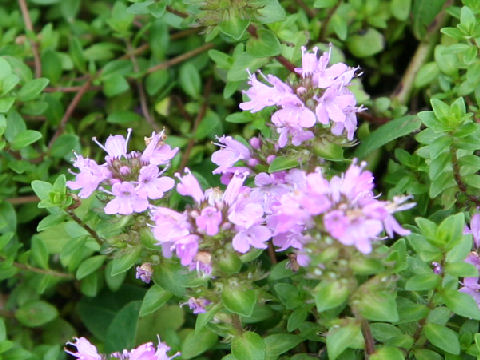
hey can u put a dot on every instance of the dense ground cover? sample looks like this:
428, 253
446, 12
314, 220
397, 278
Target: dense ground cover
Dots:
233, 179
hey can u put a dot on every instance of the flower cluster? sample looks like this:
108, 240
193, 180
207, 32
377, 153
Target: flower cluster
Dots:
133, 177
320, 96
349, 210
234, 213
148, 351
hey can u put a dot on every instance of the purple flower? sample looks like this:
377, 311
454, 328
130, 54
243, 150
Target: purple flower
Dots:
157, 152
170, 225
147, 352
144, 272
126, 200
189, 186
186, 248
90, 176
151, 185
85, 350
255, 236
230, 152
209, 220
115, 146
474, 229
197, 305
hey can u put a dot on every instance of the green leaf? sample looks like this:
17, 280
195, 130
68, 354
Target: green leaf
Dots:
461, 304
121, 332
443, 338
32, 89
378, 306
400, 9
114, 282
40, 252
272, 12
264, 44
424, 12
368, 43
340, 338
234, 27
189, 78
115, 85
426, 75
154, 299
6, 103
248, 345
330, 294
89, 266
278, 344
125, 261
241, 118
419, 282
461, 269
123, 117
25, 138
387, 353
65, 145
239, 300
197, 343
282, 163
210, 126
204, 318
425, 354
387, 133
36, 313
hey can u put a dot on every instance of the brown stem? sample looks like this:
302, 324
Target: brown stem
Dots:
69, 89
371, 118
23, 200
198, 120
177, 12
458, 179
280, 58
367, 335
84, 225
40, 271
141, 91
71, 108
271, 253
29, 27
237, 323
180, 58
323, 31
309, 11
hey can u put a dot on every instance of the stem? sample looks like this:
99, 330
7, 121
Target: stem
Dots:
71, 108
237, 323
23, 200
180, 58
29, 27
323, 31
40, 271
367, 335
404, 88
84, 225
271, 253
310, 12
141, 90
198, 120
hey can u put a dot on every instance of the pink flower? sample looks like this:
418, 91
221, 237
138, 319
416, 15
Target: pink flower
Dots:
186, 248
90, 176
144, 272
256, 236
197, 305
189, 186
147, 352
115, 146
157, 152
170, 225
85, 350
126, 200
230, 152
151, 185
209, 221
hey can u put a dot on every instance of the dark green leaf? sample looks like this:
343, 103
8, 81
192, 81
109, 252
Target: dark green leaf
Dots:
36, 313
198, 342
443, 338
121, 332
154, 299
